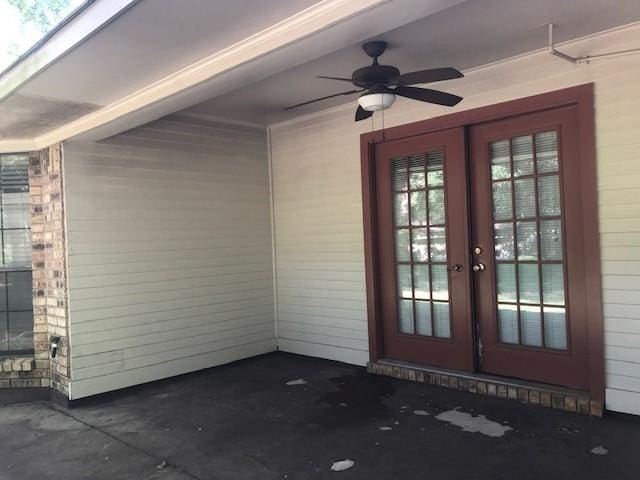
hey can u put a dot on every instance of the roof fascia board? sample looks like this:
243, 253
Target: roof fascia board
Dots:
85, 23
20, 145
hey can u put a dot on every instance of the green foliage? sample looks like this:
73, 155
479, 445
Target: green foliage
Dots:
42, 14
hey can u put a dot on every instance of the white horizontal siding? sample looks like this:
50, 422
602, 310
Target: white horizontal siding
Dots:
318, 208
170, 260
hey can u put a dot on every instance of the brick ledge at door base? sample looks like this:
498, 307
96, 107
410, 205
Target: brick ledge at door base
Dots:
534, 396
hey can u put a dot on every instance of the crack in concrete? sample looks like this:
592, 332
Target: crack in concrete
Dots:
130, 445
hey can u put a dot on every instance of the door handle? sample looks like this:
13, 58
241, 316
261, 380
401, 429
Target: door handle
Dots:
479, 267
455, 268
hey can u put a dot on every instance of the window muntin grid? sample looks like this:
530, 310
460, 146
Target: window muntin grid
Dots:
528, 243
420, 237
16, 292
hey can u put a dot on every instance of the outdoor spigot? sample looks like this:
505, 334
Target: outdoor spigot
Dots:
55, 344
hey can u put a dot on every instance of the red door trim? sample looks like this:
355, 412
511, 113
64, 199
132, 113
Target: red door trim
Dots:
581, 96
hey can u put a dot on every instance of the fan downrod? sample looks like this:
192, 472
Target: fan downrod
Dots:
375, 49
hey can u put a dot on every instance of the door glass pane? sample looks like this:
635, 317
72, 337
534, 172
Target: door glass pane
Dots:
528, 284
416, 172
402, 245
405, 314
531, 325
441, 323
421, 281
503, 241
547, 152
530, 280
502, 201
555, 328
439, 282
423, 318
551, 240
508, 323
420, 245
549, 195
399, 173
525, 198
436, 207
435, 169
403, 281
522, 155
500, 160
527, 240
553, 284
438, 244
401, 209
506, 281
418, 208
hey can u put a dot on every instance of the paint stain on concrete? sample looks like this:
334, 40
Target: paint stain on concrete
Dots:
474, 424
342, 465
599, 450
422, 413
298, 381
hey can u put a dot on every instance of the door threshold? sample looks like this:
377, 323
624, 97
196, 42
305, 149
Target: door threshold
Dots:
538, 394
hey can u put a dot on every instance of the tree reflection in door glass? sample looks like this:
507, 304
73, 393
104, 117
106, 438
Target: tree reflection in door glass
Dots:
419, 212
528, 244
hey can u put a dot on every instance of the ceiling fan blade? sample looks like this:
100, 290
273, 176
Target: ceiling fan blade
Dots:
362, 114
350, 92
342, 79
427, 76
428, 95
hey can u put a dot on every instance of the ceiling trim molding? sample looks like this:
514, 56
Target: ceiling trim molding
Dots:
305, 23
86, 22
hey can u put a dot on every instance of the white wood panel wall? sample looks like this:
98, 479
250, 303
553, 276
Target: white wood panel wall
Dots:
318, 208
169, 244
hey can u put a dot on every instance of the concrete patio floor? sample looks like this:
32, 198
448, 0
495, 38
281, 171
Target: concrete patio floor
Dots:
242, 421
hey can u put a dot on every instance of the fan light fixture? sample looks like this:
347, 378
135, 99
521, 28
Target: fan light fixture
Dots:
379, 85
374, 102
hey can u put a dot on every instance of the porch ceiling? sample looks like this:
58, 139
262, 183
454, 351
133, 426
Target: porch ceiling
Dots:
156, 58
245, 61
466, 35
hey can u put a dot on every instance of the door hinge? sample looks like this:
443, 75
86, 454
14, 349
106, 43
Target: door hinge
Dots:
480, 348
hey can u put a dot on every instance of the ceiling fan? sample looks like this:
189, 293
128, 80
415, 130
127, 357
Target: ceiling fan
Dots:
383, 82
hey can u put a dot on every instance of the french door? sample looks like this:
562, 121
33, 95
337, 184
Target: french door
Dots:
527, 248
422, 211
480, 247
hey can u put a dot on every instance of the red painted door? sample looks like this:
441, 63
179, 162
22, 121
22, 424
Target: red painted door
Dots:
423, 249
527, 248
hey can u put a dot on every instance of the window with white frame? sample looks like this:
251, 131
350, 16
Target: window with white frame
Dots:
16, 297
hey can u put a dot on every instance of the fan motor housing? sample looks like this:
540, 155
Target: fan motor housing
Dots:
375, 75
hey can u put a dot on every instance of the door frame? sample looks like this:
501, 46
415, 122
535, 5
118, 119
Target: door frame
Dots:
580, 96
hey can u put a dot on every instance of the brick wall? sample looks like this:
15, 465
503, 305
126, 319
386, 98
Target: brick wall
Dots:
50, 314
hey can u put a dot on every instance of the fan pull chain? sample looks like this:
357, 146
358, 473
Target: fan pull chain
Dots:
383, 136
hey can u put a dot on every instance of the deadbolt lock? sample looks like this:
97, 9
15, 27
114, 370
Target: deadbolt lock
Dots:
477, 250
